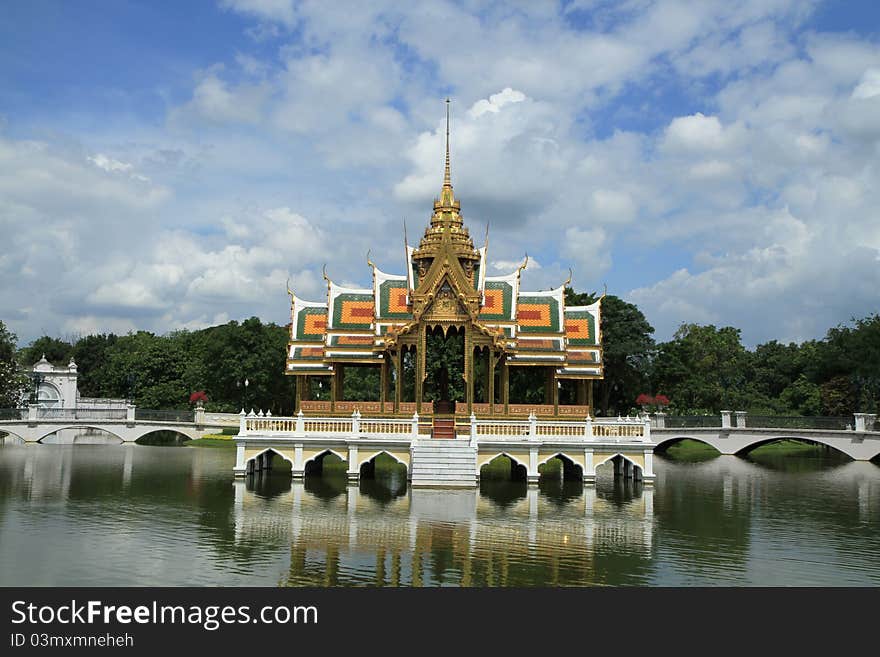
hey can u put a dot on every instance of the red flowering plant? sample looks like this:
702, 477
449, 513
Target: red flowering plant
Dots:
198, 398
658, 402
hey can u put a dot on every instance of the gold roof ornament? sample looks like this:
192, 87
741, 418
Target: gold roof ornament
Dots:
289, 291
324, 274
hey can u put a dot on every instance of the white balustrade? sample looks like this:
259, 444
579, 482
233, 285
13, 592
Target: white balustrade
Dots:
624, 430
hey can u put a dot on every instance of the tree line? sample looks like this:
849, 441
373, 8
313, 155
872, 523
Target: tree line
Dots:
704, 369
701, 370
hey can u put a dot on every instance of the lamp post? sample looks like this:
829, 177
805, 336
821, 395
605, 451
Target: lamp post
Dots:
38, 381
246, 383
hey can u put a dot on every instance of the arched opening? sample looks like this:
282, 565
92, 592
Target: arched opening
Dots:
560, 467
503, 468
619, 467
327, 463
504, 481
444, 367
789, 454
686, 450
81, 436
163, 438
561, 480
269, 474
383, 466
619, 480
383, 478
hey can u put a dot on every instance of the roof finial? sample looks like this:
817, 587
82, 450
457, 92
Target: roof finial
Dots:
289, 291
326, 278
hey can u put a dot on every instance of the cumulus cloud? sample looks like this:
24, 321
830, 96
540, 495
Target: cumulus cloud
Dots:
745, 200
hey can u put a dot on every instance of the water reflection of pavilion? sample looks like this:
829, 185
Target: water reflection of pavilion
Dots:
443, 537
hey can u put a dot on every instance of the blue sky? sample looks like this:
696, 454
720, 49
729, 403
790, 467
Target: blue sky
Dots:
171, 165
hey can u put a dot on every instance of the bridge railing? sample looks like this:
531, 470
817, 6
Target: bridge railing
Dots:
13, 414
71, 414
692, 421
354, 426
839, 423
151, 415
589, 430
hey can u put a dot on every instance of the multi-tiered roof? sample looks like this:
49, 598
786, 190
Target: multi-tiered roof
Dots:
445, 285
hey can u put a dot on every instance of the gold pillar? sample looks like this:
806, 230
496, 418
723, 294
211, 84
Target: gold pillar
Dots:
469, 388
398, 382
334, 387
490, 381
505, 387
555, 383
383, 383
548, 385
340, 383
297, 402
590, 397
420, 367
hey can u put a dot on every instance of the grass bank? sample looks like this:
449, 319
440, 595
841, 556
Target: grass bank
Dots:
223, 439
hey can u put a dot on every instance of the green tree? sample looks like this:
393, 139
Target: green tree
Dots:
56, 350
91, 353
627, 346
702, 369
854, 353
13, 384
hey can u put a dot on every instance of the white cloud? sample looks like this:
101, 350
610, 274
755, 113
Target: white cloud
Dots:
869, 85
749, 202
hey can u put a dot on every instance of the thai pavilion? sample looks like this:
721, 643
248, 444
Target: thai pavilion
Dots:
446, 298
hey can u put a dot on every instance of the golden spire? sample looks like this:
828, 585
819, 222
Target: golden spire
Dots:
447, 198
447, 177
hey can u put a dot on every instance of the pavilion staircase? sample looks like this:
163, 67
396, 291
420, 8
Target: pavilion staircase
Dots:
442, 460
444, 428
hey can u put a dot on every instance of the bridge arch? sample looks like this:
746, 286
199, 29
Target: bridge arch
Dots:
817, 440
253, 460
571, 469
666, 443
152, 430
314, 464
77, 427
637, 468
519, 468
396, 457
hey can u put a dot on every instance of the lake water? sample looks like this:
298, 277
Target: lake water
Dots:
89, 515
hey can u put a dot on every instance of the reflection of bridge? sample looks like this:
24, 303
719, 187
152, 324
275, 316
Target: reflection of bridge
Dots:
332, 539
128, 425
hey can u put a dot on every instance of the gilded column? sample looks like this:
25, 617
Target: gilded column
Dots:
505, 387
398, 379
469, 372
420, 368
490, 381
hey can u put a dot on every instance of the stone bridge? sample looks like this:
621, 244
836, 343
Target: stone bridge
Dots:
127, 425
860, 443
